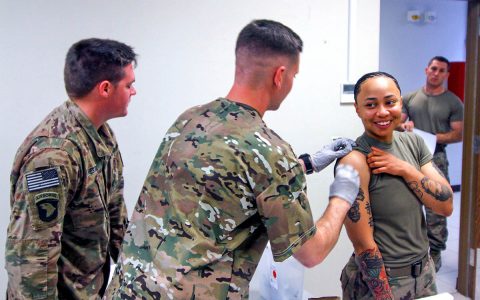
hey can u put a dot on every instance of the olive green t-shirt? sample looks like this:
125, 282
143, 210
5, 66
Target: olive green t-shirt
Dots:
399, 223
433, 113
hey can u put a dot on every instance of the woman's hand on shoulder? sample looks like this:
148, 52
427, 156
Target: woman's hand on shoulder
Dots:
380, 161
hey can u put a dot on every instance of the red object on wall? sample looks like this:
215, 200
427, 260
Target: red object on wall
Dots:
456, 80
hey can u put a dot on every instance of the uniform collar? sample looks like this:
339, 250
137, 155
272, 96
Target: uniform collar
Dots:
424, 91
371, 141
243, 105
102, 138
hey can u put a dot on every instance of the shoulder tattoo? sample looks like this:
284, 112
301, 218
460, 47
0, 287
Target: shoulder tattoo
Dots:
354, 211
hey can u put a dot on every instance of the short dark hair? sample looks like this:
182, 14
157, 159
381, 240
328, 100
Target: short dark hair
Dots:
266, 37
440, 59
93, 60
362, 79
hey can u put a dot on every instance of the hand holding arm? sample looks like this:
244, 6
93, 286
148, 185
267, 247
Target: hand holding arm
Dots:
380, 161
428, 183
325, 156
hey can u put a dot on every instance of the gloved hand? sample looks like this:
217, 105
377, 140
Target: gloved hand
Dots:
346, 183
338, 148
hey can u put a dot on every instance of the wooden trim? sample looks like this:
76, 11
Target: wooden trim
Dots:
469, 211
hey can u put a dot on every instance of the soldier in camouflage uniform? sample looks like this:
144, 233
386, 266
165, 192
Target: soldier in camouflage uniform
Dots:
436, 110
68, 214
222, 184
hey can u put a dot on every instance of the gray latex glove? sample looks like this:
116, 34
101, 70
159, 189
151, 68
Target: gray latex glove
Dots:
346, 183
338, 148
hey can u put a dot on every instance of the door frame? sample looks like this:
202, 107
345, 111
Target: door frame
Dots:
470, 196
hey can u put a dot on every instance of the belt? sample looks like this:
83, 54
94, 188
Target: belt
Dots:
413, 270
440, 148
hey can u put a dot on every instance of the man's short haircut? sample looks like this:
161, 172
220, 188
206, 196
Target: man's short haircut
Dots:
362, 79
440, 59
91, 61
266, 37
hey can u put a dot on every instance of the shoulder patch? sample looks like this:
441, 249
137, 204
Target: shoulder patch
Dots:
47, 206
42, 179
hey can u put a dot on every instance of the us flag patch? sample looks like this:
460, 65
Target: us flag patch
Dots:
42, 179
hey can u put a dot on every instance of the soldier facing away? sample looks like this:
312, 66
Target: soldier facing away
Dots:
222, 184
68, 214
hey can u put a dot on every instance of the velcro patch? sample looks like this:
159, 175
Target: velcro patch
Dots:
47, 206
42, 179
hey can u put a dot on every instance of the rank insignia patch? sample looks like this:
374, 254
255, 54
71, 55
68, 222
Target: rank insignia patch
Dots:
42, 179
47, 206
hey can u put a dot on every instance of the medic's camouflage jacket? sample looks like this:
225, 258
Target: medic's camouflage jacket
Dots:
221, 184
68, 213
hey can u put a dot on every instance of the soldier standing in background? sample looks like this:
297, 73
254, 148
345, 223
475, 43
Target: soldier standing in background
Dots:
436, 110
68, 214
222, 184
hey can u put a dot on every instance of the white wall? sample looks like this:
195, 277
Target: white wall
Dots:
406, 48
186, 58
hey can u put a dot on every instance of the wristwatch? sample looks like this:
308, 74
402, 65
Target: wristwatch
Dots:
307, 161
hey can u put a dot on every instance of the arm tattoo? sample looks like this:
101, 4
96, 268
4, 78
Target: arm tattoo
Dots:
371, 265
413, 185
354, 211
360, 195
436, 190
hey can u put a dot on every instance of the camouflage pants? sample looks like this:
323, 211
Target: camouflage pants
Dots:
403, 288
437, 225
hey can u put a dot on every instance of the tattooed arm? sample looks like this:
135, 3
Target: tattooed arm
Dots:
359, 226
428, 184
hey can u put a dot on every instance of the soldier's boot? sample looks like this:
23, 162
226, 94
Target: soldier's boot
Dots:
437, 259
